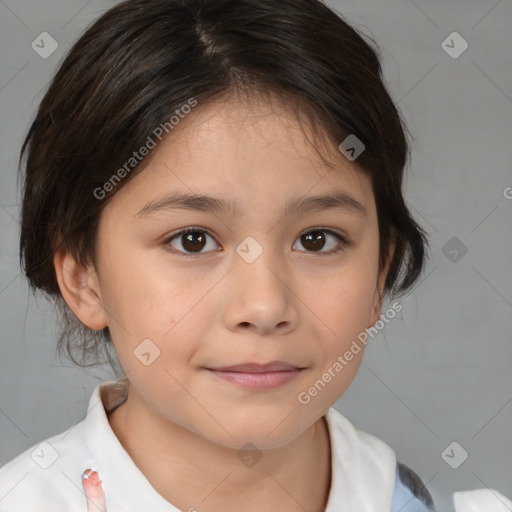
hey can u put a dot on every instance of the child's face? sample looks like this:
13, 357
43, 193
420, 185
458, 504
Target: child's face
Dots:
296, 302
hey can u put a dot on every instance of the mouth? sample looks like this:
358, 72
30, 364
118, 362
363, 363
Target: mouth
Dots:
258, 376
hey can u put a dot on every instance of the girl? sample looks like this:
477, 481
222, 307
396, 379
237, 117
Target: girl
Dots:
212, 197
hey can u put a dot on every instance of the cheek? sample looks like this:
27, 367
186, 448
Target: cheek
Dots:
156, 315
344, 305
142, 294
342, 354
344, 302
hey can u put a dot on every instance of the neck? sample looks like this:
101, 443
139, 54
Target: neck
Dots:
211, 477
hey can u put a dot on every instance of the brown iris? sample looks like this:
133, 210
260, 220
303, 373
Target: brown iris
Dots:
315, 240
193, 240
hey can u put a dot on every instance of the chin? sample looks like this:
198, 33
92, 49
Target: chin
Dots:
266, 433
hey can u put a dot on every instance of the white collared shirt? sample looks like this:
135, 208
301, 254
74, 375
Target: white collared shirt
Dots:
49, 475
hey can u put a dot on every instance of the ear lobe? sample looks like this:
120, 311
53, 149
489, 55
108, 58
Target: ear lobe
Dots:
376, 308
80, 289
379, 289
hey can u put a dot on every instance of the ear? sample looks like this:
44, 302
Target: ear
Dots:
379, 289
80, 288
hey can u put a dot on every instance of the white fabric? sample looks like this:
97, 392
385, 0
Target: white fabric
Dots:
363, 468
481, 500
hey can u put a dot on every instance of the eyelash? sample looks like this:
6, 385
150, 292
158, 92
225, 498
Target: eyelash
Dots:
344, 243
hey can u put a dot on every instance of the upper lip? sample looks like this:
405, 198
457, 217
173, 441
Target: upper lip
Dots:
273, 366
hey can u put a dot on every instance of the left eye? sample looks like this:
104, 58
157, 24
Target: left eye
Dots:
315, 239
193, 241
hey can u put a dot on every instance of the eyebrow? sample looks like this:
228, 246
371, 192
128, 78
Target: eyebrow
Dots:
188, 201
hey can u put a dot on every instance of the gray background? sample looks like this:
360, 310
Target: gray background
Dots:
440, 371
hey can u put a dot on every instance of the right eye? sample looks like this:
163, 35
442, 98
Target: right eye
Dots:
190, 239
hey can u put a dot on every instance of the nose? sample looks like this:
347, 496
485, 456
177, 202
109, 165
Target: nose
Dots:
261, 298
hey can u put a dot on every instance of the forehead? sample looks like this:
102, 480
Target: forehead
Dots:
247, 152
233, 128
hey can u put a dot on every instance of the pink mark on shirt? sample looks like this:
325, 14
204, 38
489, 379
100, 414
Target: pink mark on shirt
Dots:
93, 490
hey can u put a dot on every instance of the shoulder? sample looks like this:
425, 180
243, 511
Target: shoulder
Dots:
45, 476
410, 493
372, 460
363, 467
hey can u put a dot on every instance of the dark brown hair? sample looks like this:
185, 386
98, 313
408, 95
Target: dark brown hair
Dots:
144, 59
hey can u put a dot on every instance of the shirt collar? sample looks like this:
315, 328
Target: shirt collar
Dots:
362, 466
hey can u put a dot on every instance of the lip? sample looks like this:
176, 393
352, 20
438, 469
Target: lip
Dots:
257, 376
273, 366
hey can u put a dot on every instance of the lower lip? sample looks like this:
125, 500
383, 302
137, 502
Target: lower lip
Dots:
267, 380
